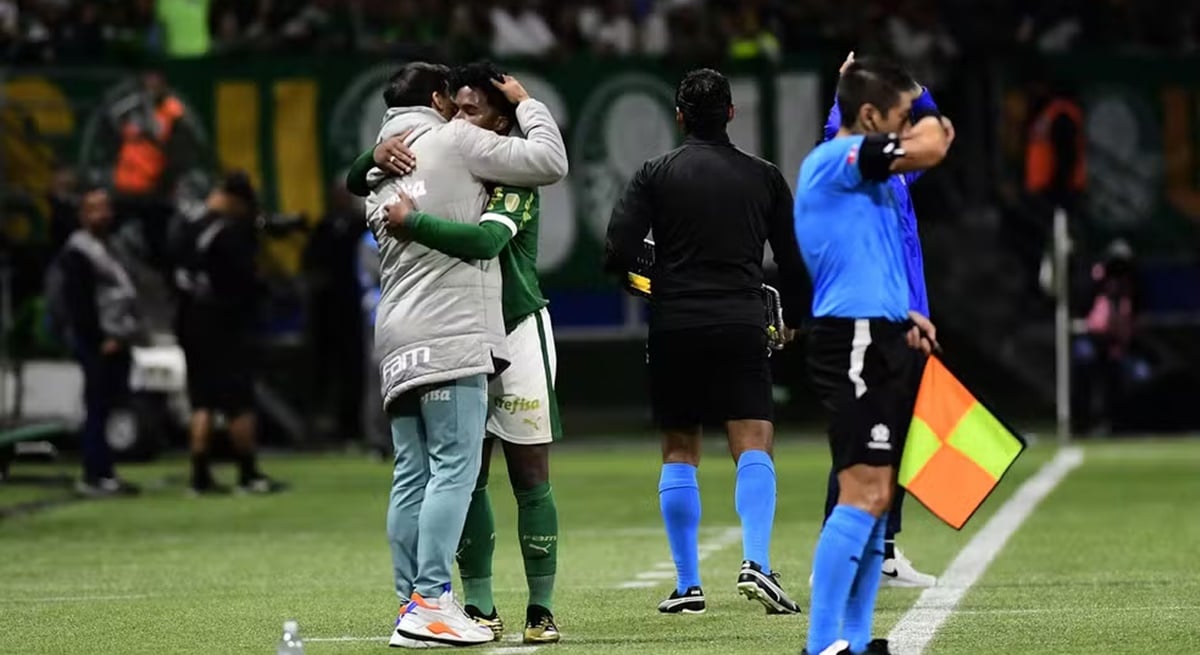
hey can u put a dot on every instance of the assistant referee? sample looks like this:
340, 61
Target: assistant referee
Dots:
711, 208
864, 340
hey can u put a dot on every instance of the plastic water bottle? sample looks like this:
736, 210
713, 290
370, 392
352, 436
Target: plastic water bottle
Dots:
290, 643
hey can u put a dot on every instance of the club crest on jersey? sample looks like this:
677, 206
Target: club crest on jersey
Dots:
512, 202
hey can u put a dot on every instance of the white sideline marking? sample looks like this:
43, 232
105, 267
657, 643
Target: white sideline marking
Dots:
656, 575
318, 640
666, 570
917, 627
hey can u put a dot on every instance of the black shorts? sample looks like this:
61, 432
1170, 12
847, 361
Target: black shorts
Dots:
220, 373
867, 377
707, 376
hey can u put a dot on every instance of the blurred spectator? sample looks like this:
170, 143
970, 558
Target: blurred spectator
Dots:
185, 23
467, 34
748, 35
1103, 355
921, 41
317, 25
519, 29
64, 205
693, 38
565, 21
335, 302
149, 156
653, 35
92, 303
609, 27
10, 19
83, 36
1055, 170
404, 25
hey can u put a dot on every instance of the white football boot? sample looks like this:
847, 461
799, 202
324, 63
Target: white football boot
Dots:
899, 572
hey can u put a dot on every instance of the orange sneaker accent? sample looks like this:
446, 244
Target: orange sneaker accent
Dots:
421, 602
439, 628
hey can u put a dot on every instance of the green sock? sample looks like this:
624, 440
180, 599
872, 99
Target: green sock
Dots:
537, 523
475, 551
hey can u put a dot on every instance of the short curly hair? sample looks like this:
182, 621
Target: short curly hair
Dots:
479, 75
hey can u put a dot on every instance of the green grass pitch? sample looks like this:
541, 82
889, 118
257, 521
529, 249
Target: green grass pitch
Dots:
1106, 564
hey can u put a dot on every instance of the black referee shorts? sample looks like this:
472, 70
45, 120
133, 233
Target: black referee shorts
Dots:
707, 376
867, 377
220, 373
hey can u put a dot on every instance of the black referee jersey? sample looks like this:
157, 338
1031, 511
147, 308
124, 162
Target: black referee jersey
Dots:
711, 207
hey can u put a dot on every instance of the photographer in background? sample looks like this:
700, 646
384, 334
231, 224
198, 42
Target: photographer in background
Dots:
92, 305
216, 277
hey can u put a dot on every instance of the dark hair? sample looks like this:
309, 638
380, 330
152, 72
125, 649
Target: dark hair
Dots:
415, 83
871, 81
479, 75
238, 185
704, 99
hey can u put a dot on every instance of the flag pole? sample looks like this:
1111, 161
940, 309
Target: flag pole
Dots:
1062, 326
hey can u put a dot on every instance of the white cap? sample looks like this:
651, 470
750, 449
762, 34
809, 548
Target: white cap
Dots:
291, 627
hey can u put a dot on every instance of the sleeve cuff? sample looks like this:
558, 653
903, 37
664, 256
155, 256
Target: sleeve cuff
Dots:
501, 219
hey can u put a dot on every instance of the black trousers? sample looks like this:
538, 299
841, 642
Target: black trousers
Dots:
106, 384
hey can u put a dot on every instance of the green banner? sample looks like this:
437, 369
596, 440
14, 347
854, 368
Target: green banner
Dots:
296, 125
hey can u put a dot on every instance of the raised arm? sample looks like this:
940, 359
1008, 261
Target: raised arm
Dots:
925, 145
834, 121
540, 159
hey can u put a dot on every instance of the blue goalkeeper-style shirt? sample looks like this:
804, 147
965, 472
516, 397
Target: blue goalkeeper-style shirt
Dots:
918, 298
848, 226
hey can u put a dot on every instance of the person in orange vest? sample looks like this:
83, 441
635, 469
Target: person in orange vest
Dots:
1055, 166
143, 174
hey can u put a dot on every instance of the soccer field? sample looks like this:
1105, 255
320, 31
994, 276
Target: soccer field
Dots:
1105, 564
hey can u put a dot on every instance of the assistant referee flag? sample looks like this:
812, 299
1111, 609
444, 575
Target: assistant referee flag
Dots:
956, 451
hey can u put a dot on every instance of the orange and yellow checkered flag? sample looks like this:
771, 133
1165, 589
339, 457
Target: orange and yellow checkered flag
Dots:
957, 450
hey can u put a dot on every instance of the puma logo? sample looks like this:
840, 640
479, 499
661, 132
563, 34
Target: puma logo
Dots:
536, 424
545, 550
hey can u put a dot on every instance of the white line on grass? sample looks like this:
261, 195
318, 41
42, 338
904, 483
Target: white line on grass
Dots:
339, 639
666, 570
917, 627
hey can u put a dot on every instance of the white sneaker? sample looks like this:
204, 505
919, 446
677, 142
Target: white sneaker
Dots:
899, 572
400, 641
441, 623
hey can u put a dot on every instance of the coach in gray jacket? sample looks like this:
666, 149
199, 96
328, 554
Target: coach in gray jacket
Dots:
439, 330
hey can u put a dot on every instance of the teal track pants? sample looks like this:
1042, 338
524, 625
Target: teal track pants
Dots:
438, 438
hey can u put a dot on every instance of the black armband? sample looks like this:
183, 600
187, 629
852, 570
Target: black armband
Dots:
876, 155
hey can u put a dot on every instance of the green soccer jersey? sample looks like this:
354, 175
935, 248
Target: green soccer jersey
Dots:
522, 294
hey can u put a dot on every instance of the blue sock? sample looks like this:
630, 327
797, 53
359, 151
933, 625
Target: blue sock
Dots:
860, 609
679, 499
754, 497
835, 565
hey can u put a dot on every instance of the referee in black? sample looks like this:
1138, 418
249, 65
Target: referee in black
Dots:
711, 208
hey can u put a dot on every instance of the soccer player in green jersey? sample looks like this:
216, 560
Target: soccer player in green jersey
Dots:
523, 410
